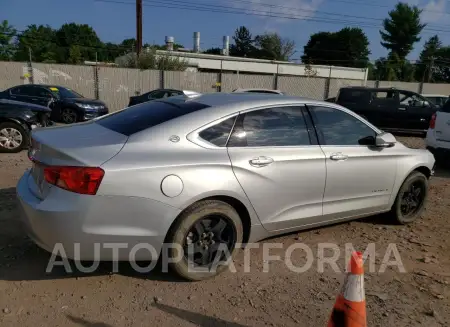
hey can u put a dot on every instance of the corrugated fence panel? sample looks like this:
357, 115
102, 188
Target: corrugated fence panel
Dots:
336, 84
310, 87
371, 83
194, 81
12, 73
78, 78
149, 80
116, 85
231, 82
414, 87
443, 89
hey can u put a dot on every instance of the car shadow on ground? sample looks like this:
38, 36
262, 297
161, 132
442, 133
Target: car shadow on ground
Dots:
188, 316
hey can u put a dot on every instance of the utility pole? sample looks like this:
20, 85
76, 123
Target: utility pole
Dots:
430, 69
138, 27
30, 68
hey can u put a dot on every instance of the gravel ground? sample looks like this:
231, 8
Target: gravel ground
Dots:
419, 297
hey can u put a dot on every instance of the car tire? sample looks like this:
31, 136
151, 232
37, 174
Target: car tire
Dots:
17, 133
407, 196
205, 214
69, 116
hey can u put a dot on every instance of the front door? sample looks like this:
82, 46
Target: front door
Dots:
359, 178
279, 165
414, 111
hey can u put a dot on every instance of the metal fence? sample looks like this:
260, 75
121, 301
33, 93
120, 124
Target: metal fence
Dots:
115, 85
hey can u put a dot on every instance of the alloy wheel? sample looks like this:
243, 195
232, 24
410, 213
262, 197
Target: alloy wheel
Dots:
412, 199
69, 116
210, 241
10, 138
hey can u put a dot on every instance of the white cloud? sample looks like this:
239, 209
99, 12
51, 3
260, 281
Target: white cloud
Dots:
433, 11
297, 9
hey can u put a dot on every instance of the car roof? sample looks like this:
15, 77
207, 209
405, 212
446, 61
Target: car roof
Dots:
435, 95
379, 89
247, 100
257, 89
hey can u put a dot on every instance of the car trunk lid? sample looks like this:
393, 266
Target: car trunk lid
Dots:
86, 144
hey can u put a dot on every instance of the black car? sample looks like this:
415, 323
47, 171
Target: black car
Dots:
17, 119
67, 105
158, 94
389, 108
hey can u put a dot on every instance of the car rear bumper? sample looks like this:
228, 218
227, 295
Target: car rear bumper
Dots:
90, 227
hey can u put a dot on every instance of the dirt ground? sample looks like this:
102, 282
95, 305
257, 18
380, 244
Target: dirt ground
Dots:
419, 297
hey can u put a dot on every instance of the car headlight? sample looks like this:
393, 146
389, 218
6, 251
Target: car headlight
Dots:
89, 106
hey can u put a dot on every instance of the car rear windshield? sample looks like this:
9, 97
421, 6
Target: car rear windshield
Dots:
148, 114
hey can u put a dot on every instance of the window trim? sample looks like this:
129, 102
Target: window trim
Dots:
311, 131
349, 112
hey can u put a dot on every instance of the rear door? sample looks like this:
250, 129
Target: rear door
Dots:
280, 166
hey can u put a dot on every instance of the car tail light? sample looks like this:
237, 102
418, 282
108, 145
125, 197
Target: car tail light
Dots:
433, 121
83, 180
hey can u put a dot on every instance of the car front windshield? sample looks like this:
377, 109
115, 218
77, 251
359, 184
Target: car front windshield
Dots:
65, 93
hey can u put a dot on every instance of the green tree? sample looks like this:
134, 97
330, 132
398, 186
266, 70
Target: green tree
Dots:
40, 40
74, 55
441, 67
243, 43
426, 58
273, 47
81, 35
402, 29
348, 47
214, 51
7, 34
149, 59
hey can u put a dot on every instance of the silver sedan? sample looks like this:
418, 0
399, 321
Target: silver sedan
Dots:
210, 171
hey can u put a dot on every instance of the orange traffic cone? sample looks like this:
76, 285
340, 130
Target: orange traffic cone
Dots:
350, 307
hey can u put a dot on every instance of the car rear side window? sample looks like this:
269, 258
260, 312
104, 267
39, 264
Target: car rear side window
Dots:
218, 134
350, 95
282, 126
148, 114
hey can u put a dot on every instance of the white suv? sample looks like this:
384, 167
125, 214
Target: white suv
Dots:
438, 134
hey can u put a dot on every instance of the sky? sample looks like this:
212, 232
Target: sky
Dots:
115, 20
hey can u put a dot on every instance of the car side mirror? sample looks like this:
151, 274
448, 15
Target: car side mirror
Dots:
426, 104
385, 140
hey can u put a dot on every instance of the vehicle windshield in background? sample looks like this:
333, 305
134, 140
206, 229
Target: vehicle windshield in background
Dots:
65, 93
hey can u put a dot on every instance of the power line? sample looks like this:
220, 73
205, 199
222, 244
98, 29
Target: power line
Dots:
284, 8
248, 12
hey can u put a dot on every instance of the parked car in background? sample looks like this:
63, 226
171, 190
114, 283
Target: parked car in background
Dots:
389, 108
333, 99
437, 99
159, 94
438, 134
66, 105
258, 91
17, 119
209, 172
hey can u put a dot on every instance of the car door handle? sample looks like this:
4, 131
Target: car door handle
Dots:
402, 109
260, 161
338, 156
34, 99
